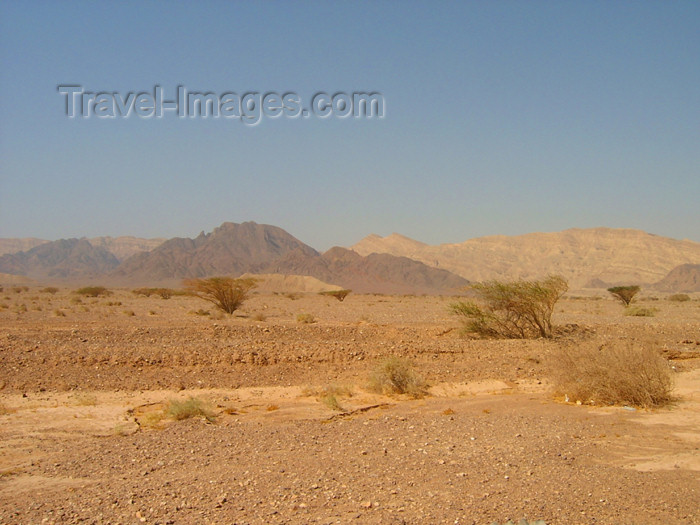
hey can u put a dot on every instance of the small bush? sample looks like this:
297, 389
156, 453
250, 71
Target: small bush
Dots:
129, 313
165, 293
624, 294
20, 308
93, 291
306, 318
338, 294
49, 289
679, 297
192, 407
396, 376
59, 313
225, 293
332, 402
614, 374
640, 311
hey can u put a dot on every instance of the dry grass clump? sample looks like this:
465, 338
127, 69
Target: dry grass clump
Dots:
640, 311
396, 375
191, 407
329, 394
306, 318
613, 374
93, 291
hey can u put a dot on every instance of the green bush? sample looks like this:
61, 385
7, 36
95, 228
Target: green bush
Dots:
93, 291
512, 310
624, 294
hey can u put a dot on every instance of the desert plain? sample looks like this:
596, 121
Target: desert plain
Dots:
291, 433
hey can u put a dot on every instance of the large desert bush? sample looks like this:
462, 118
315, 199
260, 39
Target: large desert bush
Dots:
617, 373
226, 293
512, 310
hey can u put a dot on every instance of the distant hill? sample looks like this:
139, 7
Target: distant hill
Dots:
682, 279
19, 245
583, 256
376, 273
231, 249
120, 247
65, 259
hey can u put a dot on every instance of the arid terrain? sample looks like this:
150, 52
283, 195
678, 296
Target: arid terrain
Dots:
293, 435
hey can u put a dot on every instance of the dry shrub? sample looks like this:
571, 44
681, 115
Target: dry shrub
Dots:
618, 373
338, 294
396, 376
679, 297
192, 407
225, 293
306, 319
640, 311
328, 395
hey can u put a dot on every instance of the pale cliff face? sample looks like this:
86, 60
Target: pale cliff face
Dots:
580, 255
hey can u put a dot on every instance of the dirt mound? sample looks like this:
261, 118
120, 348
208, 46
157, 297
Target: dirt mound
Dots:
275, 282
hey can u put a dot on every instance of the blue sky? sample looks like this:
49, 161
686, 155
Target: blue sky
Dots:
501, 117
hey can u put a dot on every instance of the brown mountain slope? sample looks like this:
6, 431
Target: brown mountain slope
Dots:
65, 259
376, 273
580, 255
684, 278
230, 249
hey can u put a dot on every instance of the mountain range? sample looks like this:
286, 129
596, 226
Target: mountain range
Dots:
230, 249
588, 258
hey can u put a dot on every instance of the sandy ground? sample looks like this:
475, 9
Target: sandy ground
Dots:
83, 385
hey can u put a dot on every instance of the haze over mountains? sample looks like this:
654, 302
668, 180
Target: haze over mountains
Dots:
590, 258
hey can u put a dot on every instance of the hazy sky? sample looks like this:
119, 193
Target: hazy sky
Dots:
501, 117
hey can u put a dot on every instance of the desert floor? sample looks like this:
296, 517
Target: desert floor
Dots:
84, 382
